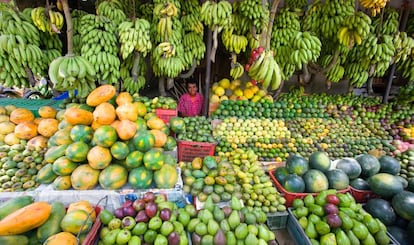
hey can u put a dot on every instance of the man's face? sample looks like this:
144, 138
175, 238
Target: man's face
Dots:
192, 89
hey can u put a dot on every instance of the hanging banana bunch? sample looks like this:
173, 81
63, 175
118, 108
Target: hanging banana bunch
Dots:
134, 36
47, 21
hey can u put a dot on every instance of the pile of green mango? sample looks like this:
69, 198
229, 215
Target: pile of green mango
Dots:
229, 225
332, 218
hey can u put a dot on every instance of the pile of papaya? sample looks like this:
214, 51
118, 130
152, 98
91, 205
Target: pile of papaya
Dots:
25, 221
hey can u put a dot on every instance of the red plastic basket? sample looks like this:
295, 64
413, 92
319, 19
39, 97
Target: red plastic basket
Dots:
188, 150
362, 196
166, 114
291, 196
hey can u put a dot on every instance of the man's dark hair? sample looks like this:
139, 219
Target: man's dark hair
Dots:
191, 81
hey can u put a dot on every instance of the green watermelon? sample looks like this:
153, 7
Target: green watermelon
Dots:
385, 185
337, 179
403, 204
319, 160
294, 183
389, 164
315, 181
296, 164
369, 165
350, 166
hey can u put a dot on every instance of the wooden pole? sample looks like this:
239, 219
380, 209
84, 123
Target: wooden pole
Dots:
208, 72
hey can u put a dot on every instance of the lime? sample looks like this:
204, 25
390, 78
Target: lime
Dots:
106, 216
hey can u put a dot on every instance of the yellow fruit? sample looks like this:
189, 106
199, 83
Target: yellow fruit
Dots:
269, 98
214, 86
254, 88
224, 97
214, 98
262, 93
219, 91
236, 82
224, 83
248, 93
233, 97
238, 92
256, 98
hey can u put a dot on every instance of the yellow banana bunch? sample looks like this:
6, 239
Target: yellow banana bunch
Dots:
167, 9
265, 70
56, 20
236, 70
113, 10
165, 28
374, 5
232, 42
70, 73
216, 14
40, 20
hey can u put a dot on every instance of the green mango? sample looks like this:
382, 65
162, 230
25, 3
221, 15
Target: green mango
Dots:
322, 228
166, 228
218, 214
301, 212
360, 230
371, 224
328, 239
234, 219
314, 242
317, 210
320, 199
110, 237
205, 215
224, 225
264, 232
314, 218
262, 242
342, 238
207, 240
212, 227
178, 227
344, 200
250, 218
201, 229
348, 212
253, 229
352, 238
160, 240
308, 200
183, 238
241, 231
231, 238
347, 223
310, 230
135, 240
209, 204
155, 223
369, 240
251, 239
193, 224
382, 238
303, 222
235, 203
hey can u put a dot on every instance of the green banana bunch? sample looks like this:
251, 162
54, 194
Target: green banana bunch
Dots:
336, 73
236, 70
191, 23
232, 42
72, 72
332, 15
312, 19
216, 14
357, 74
406, 68
390, 22
404, 46
11, 23
253, 10
296, 4
306, 48
99, 47
113, 10
133, 82
354, 29
134, 36
194, 48
166, 61
265, 70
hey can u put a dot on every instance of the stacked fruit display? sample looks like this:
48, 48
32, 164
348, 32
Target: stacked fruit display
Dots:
370, 173
204, 177
25, 221
258, 191
406, 159
229, 225
158, 102
198, 129
332, 217
151, 219
310, 175
24, 143
110, 142
237, 90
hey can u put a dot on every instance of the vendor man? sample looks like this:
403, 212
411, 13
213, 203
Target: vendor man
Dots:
191, 103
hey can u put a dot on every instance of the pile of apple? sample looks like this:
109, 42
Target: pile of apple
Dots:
149, 220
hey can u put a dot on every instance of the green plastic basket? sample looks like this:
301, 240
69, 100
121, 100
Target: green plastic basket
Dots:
30, 104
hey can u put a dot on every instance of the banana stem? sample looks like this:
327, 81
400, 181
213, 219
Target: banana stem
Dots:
306, 76
191, 71
69, 26
369, 86
333, 61
161, 86
233, 58
135, 66
273, 11
215, 44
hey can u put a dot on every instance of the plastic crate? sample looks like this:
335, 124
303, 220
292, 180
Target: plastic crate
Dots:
188, 150
290, 196
362, 196
30, 104
300, 238
277, 221
166, 114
